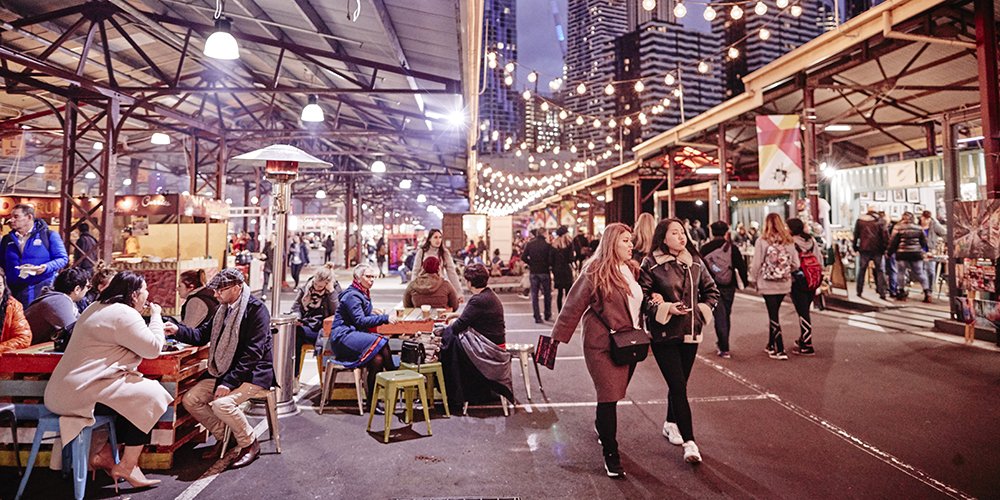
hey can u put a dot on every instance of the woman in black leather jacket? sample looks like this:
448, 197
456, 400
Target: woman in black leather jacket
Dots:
678, 297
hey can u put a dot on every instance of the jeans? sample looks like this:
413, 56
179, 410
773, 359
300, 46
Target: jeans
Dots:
774, 340
802, 300
890, 271
403, 270
917, 266
723, 310
217, 414
326, 256
296, 270
863, 259
543, 281
930, 269
675, 362
303, 336
267, 279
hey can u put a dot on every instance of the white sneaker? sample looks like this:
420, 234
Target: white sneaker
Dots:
672, 433
691, 454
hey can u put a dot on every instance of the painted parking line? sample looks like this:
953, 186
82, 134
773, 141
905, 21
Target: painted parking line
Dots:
868, 448
532, 407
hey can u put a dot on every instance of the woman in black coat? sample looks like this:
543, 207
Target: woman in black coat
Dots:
678, 297
562, 260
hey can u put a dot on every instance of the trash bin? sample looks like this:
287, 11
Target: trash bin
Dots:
283, 346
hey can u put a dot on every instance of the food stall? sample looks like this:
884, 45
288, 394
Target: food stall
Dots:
176, 233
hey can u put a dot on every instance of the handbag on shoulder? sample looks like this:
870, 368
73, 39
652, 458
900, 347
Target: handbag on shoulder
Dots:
628, 345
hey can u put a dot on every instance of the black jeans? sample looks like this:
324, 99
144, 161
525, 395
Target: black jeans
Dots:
863, 258
559, 297
723, 311
675, 362
774, 340
296, 270
127, 433
803, 300
543, 282
303, 336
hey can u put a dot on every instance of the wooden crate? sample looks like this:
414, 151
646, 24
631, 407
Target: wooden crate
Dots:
25, 373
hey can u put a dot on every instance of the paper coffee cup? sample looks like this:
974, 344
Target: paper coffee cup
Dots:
426, 310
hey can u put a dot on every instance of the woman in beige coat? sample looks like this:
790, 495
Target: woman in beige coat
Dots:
608, 286
98, 374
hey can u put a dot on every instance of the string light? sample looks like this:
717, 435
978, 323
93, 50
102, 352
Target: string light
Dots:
703, 67
563, 114
669, 79
680, 10
509, 80
612, 123
572, 148
533, 76
796, 10
736, 13
545, 105
610, 89
781, 3
639, 86
579, 120
627, 121
649, 4
764, 34
526, 95
580, 89
760, 9
734, 53
590, 145
509, 67
597, 123
709, 14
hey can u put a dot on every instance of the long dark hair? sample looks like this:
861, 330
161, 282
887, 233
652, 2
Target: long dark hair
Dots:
427, 244
660, 234
4, 300
122, 289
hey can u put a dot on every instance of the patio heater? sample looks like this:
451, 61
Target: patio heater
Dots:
281, 167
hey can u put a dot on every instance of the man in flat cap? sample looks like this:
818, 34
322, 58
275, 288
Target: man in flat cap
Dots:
239, 363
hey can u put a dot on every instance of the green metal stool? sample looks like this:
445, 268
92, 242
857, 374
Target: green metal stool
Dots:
431, 371
387, 387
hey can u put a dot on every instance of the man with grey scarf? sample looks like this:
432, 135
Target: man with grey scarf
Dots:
239, 363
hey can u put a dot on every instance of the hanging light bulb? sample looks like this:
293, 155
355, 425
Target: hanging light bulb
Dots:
509, 67
509, 80
378, 166
312, 112
781, 3
555, 150
642, 118
563, 114
734, 52
221, 44
612, 123
540, 148
517, 153
524, 145
493, 63
597, 123
495, 135
608, 139
555, 84
764, 34
532, 77
639, 86
796, 10
320, 194
649, 4
160, 138
572, 149
680, 10
760, 9
736, 13
581, 88
526, 95
709, 13
669, 79
703, 67
610, 89
590, 145
545, 105
98, 145
579, 120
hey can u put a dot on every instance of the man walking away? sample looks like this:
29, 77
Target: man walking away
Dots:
698, 233
725, 262
908, 242
538, 256
82, 256
870, 241
327, 248
239, 363
30, 254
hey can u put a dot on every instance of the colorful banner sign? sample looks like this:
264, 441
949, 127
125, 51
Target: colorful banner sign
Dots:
780, 149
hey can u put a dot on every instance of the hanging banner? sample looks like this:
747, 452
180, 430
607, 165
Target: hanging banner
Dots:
780, 149
53, 172
13, 146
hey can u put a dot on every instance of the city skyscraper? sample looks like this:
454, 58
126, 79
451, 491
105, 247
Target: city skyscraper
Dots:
542, 125
499, 104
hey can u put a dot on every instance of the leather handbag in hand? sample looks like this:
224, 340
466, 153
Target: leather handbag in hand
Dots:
628, 345
413, 353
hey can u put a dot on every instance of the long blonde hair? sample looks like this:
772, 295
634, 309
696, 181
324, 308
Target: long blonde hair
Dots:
602, 268
775, 231
642, 236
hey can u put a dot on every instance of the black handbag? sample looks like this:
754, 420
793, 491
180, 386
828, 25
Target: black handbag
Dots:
412, 353
628, 345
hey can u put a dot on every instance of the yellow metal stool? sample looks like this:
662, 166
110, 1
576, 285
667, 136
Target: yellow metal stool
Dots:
387, 387
431, 371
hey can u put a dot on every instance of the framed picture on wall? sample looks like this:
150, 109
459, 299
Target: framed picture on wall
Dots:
913, 195
918, 209
865, 196
899, 196
896, 211
881, 196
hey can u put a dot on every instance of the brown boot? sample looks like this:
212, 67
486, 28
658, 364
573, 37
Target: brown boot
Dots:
927, 297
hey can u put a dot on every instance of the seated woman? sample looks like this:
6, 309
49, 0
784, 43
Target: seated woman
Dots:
429, 288
351, 339
99, 280
14, 330
98, 375
315, 302
478, 333
200, 303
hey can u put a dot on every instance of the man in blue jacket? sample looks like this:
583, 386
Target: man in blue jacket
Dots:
30, 254
239, 363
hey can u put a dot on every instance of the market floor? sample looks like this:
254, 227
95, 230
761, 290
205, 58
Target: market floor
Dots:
872, 415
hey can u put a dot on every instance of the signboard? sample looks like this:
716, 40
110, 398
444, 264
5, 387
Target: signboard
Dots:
44, 207
53, 172
155, 204
902, 173
779, 146
13, 146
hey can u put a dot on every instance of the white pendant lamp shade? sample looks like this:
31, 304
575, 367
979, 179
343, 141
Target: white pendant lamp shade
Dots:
160, 138
312, 112
221, 44
378, 166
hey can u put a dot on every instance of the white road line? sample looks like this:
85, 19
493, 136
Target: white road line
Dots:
843, 434
531, 407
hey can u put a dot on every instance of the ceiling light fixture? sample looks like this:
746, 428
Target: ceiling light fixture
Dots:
312, 112
378, 166
160, 138
221, 44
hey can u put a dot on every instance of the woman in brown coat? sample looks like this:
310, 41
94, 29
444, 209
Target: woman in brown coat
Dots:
608, 287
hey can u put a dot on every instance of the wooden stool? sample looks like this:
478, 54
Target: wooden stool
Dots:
431, 371
523, 351
329, 378
319, 360
271, 400
387, 386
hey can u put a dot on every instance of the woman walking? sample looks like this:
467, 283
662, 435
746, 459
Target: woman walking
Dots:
607, 292
679, 295
774, 259
642, 237
562, 260
298, 256
433, 247
802, 297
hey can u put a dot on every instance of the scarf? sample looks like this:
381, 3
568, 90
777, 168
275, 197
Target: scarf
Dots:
357, 284
226, 334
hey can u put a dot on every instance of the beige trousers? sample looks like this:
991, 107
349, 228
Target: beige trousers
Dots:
217, 414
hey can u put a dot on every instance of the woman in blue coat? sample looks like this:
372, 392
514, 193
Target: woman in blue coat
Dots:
351, 339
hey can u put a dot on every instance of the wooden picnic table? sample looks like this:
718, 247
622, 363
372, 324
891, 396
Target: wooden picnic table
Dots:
412, 323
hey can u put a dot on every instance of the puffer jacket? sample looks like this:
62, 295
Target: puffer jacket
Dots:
430, 289
870, 234
908, 242
682, 278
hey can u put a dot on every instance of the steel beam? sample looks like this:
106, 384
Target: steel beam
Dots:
986, 55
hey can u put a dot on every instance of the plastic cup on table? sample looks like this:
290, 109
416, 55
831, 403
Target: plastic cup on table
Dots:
425, 310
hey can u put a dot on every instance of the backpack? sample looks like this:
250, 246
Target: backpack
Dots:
777, 265
720, 264
811, 270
